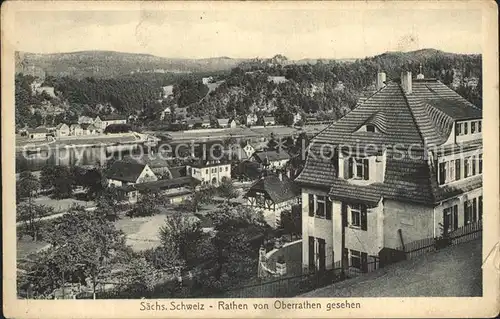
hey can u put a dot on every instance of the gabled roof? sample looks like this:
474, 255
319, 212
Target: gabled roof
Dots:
88, 126
163, 184
60, 125
278, 190
271, 155
125, 171
419, 119
39, 130
74, 126
112, 117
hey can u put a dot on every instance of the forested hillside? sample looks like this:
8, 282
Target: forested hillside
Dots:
331, 89
277, 86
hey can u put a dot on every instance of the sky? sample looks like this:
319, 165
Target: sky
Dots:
339, 31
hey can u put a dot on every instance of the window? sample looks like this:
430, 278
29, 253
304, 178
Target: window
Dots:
358, 216
370, 128
480, 168
473, 164
442, 173
359, 260
320, 206
472, 127
468, 212
466, 167
458, 129
466, 127
479, 126
206, 171
220, 169
450, 218
355, 259
227, 168
357, 168
458, 172
451, 171
480, 208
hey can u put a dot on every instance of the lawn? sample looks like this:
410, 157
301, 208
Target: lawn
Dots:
60, 205
451, 272
26, 247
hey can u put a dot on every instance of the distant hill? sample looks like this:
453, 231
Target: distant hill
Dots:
105, 64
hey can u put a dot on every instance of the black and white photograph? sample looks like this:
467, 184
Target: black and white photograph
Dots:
300, 155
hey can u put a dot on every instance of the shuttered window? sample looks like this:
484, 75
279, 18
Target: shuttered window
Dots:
458, 169
364, 218
366, 171
311, 205
328, 209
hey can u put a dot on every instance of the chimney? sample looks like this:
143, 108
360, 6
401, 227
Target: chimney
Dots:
406, 81
380, 80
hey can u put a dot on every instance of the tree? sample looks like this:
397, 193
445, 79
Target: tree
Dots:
233, 252
183, 233
227, 190
27, 185
83, 246
291, 221
59, 178
137, 277
108, 202
31, 216
200, 195
148, 204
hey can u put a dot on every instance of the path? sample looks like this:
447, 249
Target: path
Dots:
451, 272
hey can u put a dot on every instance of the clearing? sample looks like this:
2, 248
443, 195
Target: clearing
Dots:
451, 272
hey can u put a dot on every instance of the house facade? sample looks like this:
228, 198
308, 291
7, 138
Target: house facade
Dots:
62, 130
251, 119
85, 120
272, 195
404, 165
103, 121
89, 129
75, 130
38, 133
210, 171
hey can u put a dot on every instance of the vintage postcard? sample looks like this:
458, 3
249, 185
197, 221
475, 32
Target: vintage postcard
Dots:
250, 159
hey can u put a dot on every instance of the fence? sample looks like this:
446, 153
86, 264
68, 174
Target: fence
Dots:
292, 286
460, 235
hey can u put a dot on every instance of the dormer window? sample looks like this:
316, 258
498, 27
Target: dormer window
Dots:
358, 168
370, 128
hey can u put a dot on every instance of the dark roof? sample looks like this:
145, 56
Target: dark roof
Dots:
271, 155
278, 190
125, 171
422, 118
178, 171
112, 117
39, 130
163, 184
88, 126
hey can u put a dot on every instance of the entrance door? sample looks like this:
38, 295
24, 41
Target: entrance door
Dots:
321, 254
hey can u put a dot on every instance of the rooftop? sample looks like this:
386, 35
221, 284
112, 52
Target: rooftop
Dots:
271, 155
278, 190
421, 118
125, 171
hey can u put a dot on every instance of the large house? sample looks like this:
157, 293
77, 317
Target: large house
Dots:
38, 133
123, 173
272, 195
404, 165
210, 171
271, 159
104, 120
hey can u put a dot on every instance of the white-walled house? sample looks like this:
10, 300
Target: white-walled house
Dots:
272, 195
104, 120
404, 161
62, 130
210, 171
38, 133
75, 130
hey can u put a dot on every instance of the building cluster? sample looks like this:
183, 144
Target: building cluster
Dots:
85, 126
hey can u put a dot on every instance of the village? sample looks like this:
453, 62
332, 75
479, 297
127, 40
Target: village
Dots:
315, 217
